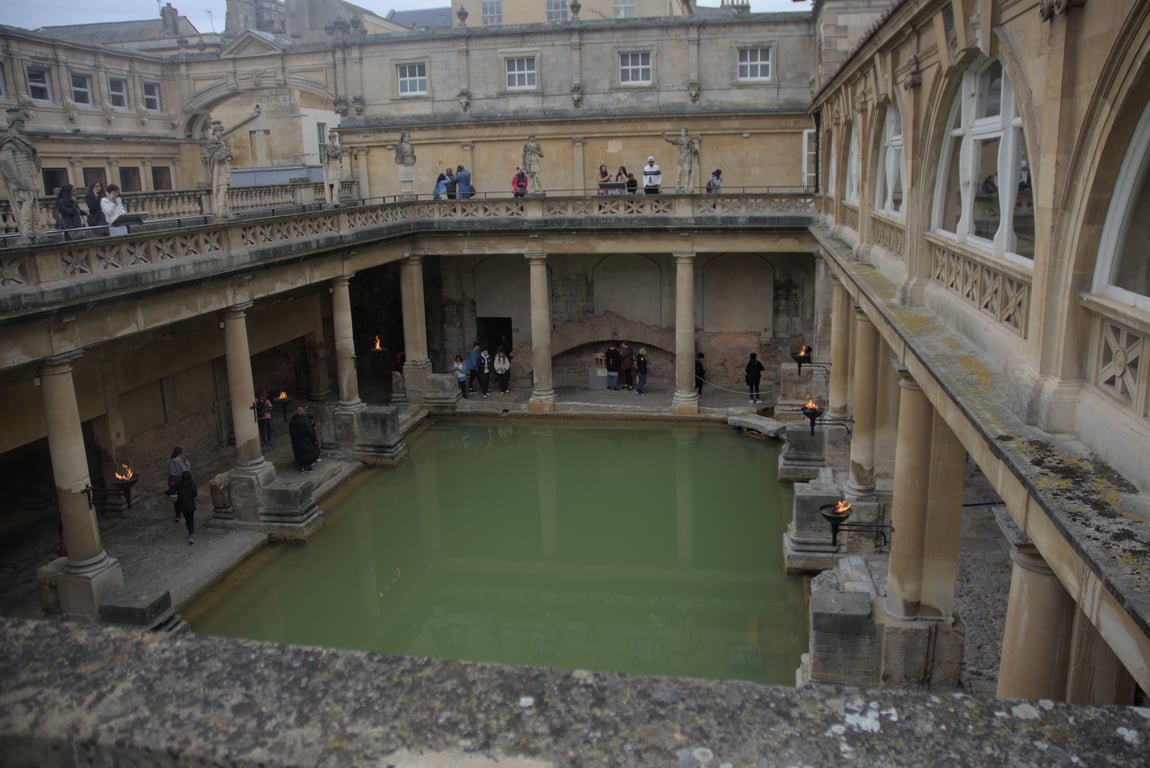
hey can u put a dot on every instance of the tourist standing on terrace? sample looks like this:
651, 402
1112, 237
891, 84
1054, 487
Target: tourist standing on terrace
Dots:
519, 182
185, 493
502, 371
263, 408
463, 183
94, 198
626, 363
473, 366
614, 360
459, 368
177, 466
640, 370
484, 371
68, 208
652, 177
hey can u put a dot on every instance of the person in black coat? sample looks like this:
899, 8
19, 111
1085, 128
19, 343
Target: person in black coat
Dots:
71, 217
185, 492
304, 443
754, 371
95, 210
700, 374
613, 359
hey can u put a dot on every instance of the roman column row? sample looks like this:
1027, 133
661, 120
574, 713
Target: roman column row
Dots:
1050, 649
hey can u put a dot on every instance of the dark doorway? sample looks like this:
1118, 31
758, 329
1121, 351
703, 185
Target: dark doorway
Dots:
492, 333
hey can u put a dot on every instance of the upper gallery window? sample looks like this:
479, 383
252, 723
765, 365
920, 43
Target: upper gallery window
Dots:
635, 67
412, 79
1123, 270
82, 89
851, 193
492, 12
39, 84
624, 9
521, 73
152, 97
3, 87
984, 172
832, 173
890, 178
810, 159
754, 63
118, 92
557, 10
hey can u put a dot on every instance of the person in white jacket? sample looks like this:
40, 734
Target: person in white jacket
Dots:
652, 177
113, 208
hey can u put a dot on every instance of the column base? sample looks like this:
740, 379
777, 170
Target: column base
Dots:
542, 401
76, 592
685, 403
245, 490
415, 373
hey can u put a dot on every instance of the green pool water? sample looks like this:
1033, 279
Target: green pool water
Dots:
652, 550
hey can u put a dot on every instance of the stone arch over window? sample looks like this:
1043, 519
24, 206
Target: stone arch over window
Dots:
983, 195
890, 167
1122, 271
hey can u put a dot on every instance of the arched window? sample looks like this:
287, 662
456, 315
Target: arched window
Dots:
831, 163
851, 194
1123, 270
984, 170
890, 179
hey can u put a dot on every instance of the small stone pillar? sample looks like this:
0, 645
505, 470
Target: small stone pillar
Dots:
861, 484
416, 365
344, 344
542, 391
1039, 619
807, 543
803, 455
77, 584
840, 351
943, 522
686, 399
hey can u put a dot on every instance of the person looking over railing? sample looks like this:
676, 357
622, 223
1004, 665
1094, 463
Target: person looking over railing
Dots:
113, 208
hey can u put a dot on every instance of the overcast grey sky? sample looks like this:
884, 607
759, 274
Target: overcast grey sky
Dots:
209, 14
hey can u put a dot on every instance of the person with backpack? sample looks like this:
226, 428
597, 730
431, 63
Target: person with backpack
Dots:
184, 493
715, 183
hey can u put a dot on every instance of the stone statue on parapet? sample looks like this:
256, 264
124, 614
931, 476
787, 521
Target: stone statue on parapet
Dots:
332, 168
688, 147
220, 166
404, 152
532, 155
20, 168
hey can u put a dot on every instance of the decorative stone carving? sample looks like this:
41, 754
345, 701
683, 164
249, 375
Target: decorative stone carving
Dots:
465, 99
688, 159
332, 168
404, 152
1048, 9
219, 157
340, 106
532, 157
693, 91
359, 105
577, 95
20, 169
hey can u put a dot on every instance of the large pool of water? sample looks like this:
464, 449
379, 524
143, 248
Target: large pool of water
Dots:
653, 550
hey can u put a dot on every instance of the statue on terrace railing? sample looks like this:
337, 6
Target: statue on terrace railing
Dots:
332, 168
20, 168
532, 155
220, 165
688, 160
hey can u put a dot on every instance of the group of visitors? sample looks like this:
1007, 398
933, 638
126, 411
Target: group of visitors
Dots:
626, 369
104, 207
622, 176
451, 185
477, 369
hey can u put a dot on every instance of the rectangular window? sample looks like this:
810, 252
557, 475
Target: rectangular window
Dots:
321, 137
118, 92
39, 84
624, 9
754, 63
152, 97
635, 68
557, 10
82, 89
521, 73
412, 79
129, 179
3, 87
161, 178
91, 176
54, 178
810, 159
492, 11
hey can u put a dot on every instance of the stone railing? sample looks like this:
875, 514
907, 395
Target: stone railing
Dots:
178, 203
1119, 337
25, 270
994, 287
850, 217
889, 234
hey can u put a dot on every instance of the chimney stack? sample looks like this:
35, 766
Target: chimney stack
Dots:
170, 19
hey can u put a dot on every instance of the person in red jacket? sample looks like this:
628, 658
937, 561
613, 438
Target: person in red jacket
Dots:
519, 183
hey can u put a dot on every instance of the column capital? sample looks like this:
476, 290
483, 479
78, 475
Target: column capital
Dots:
540, 257
342, 280
579, 141
906, 381
683, 256
61, 363
413, 258
237, 311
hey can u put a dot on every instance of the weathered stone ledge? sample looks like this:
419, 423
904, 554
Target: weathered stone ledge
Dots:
85, 694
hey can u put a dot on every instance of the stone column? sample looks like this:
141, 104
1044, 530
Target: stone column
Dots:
943, 522
87, 575
840, 351
1037, 638
241, 390
542, 391
416, 365
685, 400
315, 343
886, 420
344, 340
861, 483
1096, 676
578, 169
908, 508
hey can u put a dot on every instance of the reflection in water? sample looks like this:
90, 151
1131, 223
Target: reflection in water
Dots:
652, 551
